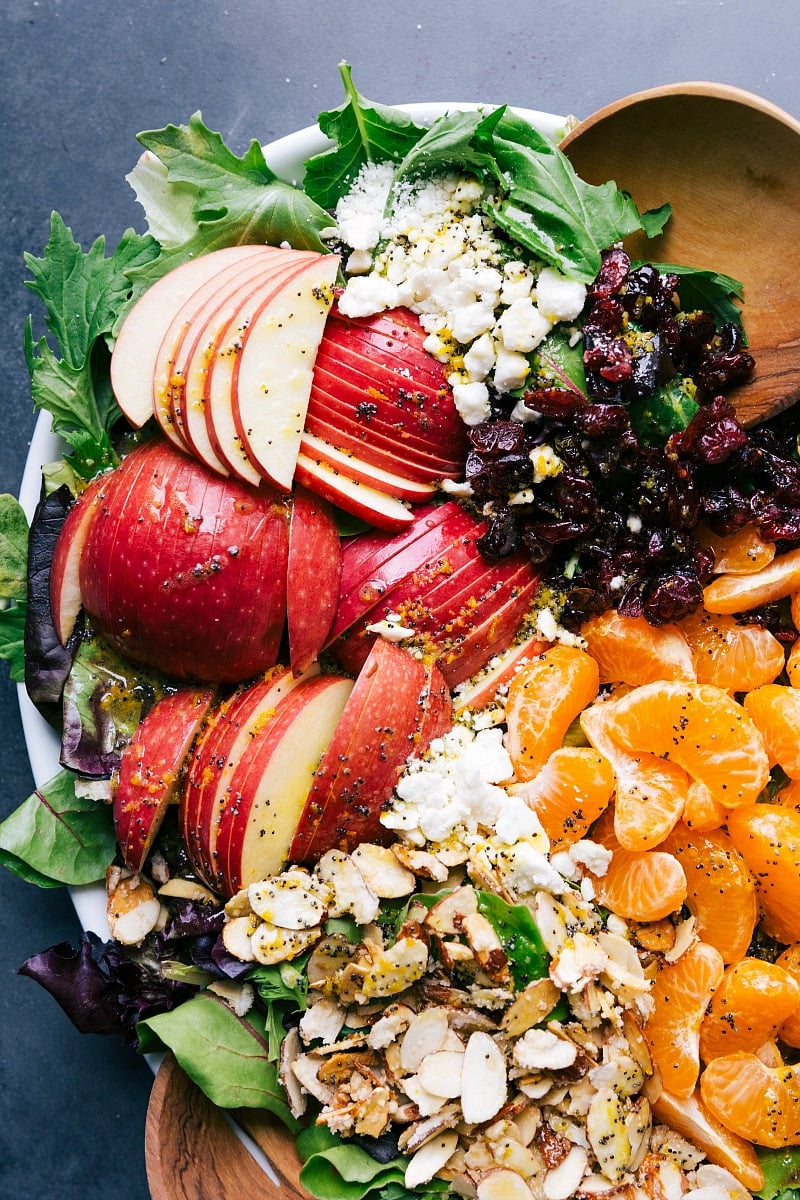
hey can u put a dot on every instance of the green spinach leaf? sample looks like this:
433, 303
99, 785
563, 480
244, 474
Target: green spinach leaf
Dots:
709, 290
282, 988
362, 132
225, 1055
519, 935
781, 1173
54, 834
335, 1169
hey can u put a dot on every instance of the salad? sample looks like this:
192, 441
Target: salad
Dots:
420, 627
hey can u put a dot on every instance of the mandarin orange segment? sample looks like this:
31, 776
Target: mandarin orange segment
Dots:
729, 655
569, 793
721, 891
701, 728
775, 709
638, 885
651, 792
748, 1008
631, 650
793, 664
790, 961
789, 796
681, 992
739, 553
768, 838
544, 698
739, 593
702, 812
753, 1100
689, 1116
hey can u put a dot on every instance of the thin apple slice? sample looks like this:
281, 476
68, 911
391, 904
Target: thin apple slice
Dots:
169, 372
273, 373
134, 356
313, 575
369, 444
272, 781
478, 691
150, 767
362, 468
66, 597
368, 503
218, 362
215, 757
380, 728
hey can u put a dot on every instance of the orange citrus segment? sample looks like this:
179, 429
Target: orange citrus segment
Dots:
790, 961
702, 812
768, 838
789, 796
738, 593
701, 728
681, 992
569, 793
544, 698
739, 553
775, 709
721, 892
631, 650
748, 1008
651, 792
793, 664
753, 1100
641, 885
690, 1117
729, 655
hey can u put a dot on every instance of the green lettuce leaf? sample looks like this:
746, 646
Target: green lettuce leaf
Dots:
12, 638
708, 290
362, 132
335, 1169
56, 837
781, 1173
225, 1055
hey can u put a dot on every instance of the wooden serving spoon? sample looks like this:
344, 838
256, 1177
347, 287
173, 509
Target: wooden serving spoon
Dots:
729, 164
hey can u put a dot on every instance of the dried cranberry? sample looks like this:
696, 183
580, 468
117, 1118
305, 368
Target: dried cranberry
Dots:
712, 435
613, 272
501, 537
554, 402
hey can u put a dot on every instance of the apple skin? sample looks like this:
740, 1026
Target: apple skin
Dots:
150, 767
398, 705
369, 504
66, 599
480, 690
314, 571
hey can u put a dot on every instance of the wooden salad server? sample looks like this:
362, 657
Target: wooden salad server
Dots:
193, 1153
729, 164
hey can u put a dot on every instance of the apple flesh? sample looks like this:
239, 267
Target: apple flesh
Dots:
397, 707
189, 572
66, 599
314, 571
150, 767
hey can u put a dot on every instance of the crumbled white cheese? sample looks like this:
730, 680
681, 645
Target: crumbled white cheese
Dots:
472, 402
546, 463
559, 298
539, 1049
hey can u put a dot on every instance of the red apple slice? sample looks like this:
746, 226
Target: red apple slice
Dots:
206, 789
368, 444
272, 782
380, 728
493, 630
134, 355
66, 598
479, 690
170, 374
368, 503
314, 572
150, 768
272, 375
362, 470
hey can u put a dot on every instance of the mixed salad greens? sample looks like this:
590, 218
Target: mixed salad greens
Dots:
174, 990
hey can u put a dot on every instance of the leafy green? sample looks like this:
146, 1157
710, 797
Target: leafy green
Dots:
669, 410
362, 132
708, 290
82, 294
220, 200
781, 1173
335, 1169
56, 837
519, 935
458, 140
282, 988
224, 1054
13, 583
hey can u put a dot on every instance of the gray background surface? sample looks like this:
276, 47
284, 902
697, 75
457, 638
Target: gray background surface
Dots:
77, 80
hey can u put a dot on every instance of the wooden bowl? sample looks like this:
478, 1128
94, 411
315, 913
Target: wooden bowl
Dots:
729, 164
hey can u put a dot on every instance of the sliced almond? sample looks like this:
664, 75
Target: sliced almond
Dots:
290, 1052
187, 889
395, 969
425, 1035
427, 1104
420, 1132
440, 1073
323, 1020
486, 946
503, 1184
562, 1181
271, 945
236, 935
430, 1158
352, 895
484, 1080
285, 902
447, 915
306, 1070
383, 872
421, 862
607, 1134
132, 907
531, 1006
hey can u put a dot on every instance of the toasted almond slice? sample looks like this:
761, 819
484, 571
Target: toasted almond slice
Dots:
530, 1007
383, 872
272, 945
484, 1079
285, 902
503, 1185
562, 1181
419, 1132
187, 889
486, 946
425, 1035
607, 1134
351, 892
395, 969
236, 938
440, 1073
421, 862
306, 1070
427, 1104
132, 907
290, 1052
447, 915
430, 1158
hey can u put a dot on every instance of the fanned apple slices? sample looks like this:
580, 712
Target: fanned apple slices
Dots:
222, 350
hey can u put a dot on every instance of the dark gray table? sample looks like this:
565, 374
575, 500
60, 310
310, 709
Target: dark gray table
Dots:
78, 80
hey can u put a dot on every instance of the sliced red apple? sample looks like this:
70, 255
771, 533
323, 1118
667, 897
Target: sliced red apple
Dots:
380, 728
481, 689
272, 781
272, 374
369, 444
206, 788
361, 470
368, 503
134, 356
66, 598
150, 767
314, 571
